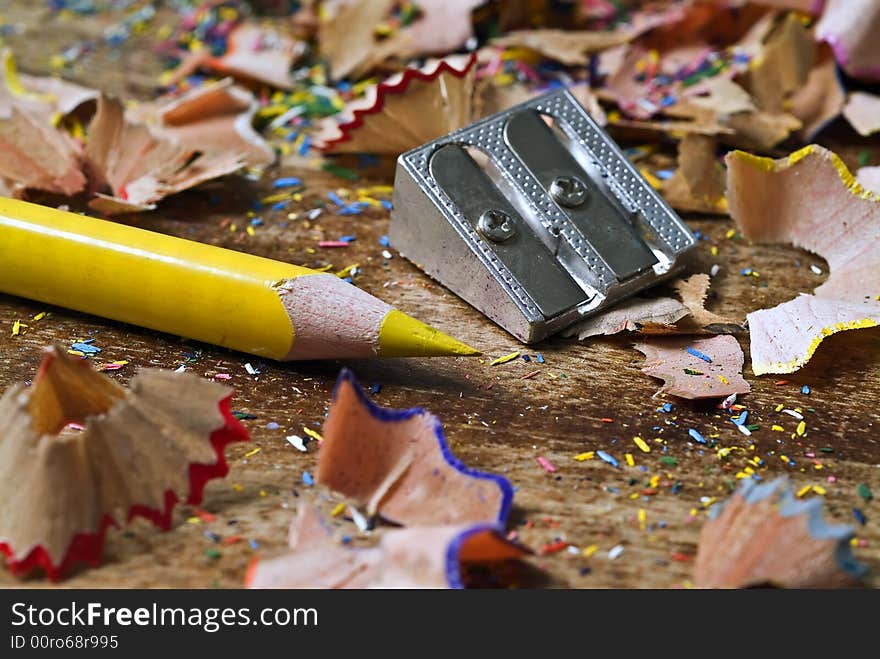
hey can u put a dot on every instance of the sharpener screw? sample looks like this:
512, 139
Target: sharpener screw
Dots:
496, 225
568, 191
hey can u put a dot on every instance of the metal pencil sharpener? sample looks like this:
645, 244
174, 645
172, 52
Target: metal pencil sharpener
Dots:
535, 217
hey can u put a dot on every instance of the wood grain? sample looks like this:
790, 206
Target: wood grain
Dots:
495, 418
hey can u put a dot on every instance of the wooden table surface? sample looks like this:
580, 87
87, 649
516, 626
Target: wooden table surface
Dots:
495, 419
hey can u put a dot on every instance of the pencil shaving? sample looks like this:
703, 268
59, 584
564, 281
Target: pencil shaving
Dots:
214, 118
253, 54
764, 536
417, 557
141, 166
139, 452
695, 368
862, 111
34, 155
698, 183
835, 218
406, 110
850, 28
353, 38
396, 463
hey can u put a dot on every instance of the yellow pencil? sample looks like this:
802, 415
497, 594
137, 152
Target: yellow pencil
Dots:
219, 296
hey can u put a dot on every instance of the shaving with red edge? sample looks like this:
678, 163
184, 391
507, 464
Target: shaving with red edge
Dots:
405, 111
79, 453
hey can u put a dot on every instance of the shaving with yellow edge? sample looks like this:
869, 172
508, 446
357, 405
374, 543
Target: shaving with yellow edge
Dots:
811, 200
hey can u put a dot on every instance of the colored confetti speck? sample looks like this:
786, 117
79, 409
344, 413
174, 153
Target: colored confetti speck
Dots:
307, 479
696, 353
608, 458
669, 461
85, 347
695, 434
642, 444
864, 491
582, 457
546, 464
313, 434
805, 390
860, 516
296, 442
286, 182
539, 358
615, 552
212, 553
504, 359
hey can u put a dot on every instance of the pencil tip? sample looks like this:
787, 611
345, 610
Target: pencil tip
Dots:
404, 336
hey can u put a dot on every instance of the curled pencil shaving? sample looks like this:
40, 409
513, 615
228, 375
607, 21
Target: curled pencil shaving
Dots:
406, 110
417, 557
350, 35
34, 154
140, 165
213, 118
253, 54
698, 184
396, 463
820, 100
850, 27
833, 217
695, 368
862, 111
763, 535
660, 315
79, 453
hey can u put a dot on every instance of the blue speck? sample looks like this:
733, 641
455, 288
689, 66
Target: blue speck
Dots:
335, 198
696, 353
693, 432
741, 419
608, 458
375, 389
272, 426
307, 479
86, 347
286, 182
860, 516
384, 241
254, 544
539, 358
805, 390
526, 358
347, 239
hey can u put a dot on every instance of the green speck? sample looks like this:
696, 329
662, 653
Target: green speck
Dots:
864, 491
213, 554
691, 371
669, 461
864, 158
827, 449
341, 172
753, 427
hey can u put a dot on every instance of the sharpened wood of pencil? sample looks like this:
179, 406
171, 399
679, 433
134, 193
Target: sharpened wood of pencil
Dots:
215, 295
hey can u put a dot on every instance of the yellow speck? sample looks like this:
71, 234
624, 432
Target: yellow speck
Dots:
643, 518
250, 230
313, 434
263, 493
504, 359
252, 452
589, 551
589, 455
713, 250
818, 489
338, 510
854, 542
237, 488
779, 407
655, 480
801, 428
16, 328
630, 460
41, 315
730, 233
643, 446
777, 428
723, 379
193, 520
801, 492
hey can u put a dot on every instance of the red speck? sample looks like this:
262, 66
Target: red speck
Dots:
554, 547
204, 515
678, 556
231, 540
606, 420
649, 492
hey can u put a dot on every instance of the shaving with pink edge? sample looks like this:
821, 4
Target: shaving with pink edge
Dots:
811, 200
850, 27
